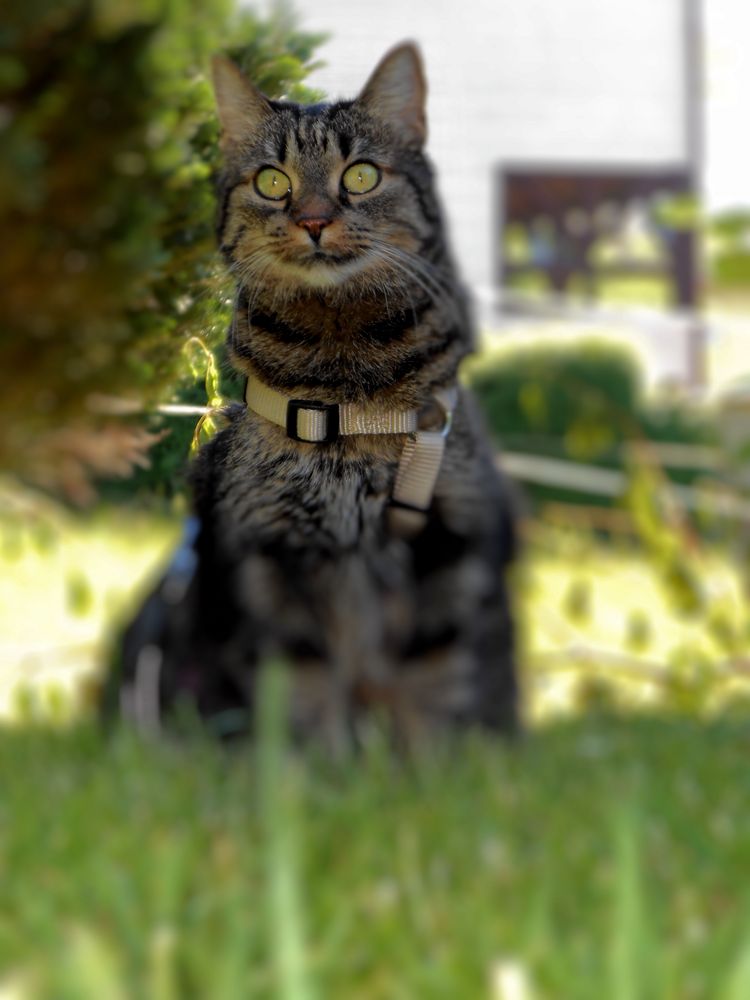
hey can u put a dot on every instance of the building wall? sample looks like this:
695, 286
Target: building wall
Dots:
578, 81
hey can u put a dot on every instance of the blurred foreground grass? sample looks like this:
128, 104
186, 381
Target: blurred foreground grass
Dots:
599, 858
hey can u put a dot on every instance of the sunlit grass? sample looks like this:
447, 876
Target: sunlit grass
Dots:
595, 619
65, 582
598, 623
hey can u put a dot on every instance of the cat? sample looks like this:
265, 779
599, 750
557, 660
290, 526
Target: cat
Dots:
350, 519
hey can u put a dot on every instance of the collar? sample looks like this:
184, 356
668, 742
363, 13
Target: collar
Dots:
314, 422
318, 423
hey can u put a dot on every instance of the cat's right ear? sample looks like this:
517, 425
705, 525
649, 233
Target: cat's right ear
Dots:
241, 106
396, 93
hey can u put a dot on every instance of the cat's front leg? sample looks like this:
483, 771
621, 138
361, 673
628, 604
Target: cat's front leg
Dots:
458, 668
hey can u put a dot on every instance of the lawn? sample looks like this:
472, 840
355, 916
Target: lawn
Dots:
65, 581
605, 855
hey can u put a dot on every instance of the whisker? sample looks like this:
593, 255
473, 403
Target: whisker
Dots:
434, 293
425, 275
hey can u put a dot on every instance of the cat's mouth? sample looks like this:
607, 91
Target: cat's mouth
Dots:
320, 256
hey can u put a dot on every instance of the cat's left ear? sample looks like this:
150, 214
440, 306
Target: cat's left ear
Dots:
396, 93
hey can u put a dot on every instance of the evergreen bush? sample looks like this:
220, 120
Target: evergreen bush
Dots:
108, 265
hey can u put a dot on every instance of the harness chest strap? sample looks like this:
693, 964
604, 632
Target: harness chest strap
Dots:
317, 423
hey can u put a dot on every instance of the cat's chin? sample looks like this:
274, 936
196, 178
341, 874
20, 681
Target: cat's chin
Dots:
324, 273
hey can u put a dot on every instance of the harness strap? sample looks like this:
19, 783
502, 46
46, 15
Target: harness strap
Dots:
317, 423
418, 470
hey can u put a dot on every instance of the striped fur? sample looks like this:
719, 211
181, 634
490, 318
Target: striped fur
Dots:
295, 555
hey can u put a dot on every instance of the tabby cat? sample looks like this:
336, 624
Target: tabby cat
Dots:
350, 517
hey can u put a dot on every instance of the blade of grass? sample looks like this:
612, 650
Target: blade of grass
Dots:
279, 804
630, 963
737, 985
91, 969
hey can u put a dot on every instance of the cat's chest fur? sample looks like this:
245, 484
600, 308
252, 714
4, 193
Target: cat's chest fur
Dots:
329, 497
303, 536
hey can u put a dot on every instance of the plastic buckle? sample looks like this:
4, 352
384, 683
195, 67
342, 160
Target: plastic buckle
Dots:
447, 418
332, 419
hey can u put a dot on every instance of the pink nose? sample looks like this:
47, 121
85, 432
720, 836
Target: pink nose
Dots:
315, 226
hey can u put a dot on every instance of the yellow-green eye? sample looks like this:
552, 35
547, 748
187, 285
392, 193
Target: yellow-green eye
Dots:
361, 178
272, 183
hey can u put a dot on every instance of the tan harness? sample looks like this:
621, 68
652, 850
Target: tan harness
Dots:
314, 422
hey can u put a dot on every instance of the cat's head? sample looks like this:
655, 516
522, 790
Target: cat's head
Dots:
329, 195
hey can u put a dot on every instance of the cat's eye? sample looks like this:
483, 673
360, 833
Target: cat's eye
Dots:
272, 183
361, 178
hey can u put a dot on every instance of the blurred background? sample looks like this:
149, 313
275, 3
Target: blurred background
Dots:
593, 161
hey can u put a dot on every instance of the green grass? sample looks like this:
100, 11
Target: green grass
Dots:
631, 290
604, 857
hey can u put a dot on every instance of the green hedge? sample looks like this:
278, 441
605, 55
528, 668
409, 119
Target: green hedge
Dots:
109, 144
579, 401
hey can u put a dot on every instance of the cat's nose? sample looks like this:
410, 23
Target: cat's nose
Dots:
315, 225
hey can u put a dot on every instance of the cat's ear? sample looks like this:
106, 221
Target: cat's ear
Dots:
241, 105
396, 93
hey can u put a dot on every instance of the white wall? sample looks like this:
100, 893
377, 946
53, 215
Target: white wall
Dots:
727, 174
581, 81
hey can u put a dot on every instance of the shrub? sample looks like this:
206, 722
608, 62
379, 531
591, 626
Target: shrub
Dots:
582, 402
586, 396
583, 396
109, 143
